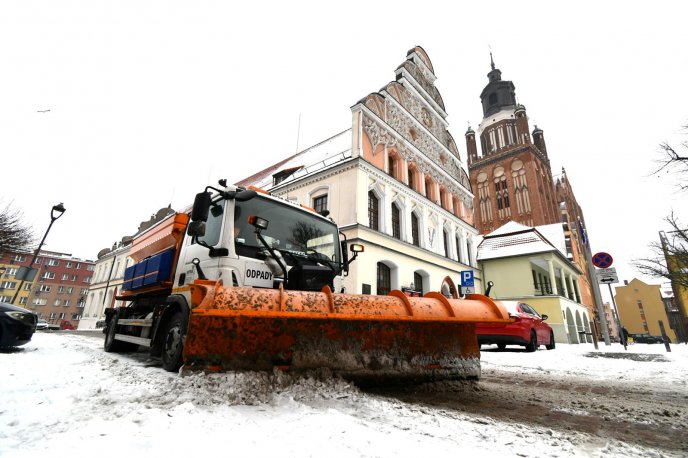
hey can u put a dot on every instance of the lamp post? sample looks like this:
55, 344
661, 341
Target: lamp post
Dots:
55, 214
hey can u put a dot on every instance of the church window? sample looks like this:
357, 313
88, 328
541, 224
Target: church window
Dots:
500, 135
492, 99
373, 211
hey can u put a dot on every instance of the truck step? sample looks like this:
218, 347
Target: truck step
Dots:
135, 322
136, 340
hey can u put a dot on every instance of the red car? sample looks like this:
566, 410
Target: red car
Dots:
528, 328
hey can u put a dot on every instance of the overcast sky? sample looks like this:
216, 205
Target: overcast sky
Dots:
151, 100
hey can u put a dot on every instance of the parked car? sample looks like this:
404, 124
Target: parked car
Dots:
646, 338
41, 325
17, 325
528, 329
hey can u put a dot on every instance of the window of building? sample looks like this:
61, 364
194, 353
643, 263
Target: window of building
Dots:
22, 300
373, 211
44, 288
69, 264
65, 277
78, 265
61, 289
492, 99
458, 248
91, 267
62, 315
49, 275
445, 242
11, 271
70, 289
411, 179
415, 230
76, 316
87, 279
19, 258
5, 299
39, 301
57, 302
83, 291
391, 165
384, 279
28, 286
52, 316
74, 278
53, 262
396, 222
66, 303
320, 203
417, 282
8, 285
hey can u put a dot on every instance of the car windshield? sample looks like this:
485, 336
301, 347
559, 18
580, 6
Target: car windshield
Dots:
293, 232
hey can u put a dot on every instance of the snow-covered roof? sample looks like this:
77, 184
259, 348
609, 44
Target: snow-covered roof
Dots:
320, 156
515, 239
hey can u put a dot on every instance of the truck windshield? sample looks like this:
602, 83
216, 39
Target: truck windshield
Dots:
296, 232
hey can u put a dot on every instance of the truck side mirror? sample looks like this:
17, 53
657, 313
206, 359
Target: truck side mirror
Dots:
201, 206
196, 229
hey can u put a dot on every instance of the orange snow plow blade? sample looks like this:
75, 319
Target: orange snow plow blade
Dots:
363, 338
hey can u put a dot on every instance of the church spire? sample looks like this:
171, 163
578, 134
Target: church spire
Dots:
492, 61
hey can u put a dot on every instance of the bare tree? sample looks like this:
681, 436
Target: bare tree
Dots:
672, 160
14, 234
669, 257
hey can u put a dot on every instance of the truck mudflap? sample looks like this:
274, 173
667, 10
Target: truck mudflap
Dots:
363, 338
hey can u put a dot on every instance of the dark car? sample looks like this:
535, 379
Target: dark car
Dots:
17, 325
527, 328
646, 338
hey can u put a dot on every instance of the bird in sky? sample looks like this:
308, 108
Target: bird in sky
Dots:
43, 111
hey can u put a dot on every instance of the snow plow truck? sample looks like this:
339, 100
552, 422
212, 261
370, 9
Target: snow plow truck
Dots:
245, 281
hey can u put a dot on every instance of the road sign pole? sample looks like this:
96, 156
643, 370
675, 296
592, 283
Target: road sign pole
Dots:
622, 336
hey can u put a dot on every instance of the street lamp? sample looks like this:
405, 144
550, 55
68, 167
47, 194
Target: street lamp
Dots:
55, 213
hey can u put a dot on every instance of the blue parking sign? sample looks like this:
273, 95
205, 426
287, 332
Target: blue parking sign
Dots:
467, 278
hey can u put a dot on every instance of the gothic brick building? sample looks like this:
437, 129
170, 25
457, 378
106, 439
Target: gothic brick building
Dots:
511, 176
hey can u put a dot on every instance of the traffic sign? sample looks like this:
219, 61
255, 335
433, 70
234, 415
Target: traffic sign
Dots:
602, 260
467, 278
607, 275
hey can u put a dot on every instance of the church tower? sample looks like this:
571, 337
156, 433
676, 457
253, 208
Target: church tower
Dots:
510, 173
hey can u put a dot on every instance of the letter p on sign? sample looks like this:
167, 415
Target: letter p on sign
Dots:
467, 278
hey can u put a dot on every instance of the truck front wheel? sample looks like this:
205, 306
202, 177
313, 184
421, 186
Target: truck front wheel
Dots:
116, 346
173, 343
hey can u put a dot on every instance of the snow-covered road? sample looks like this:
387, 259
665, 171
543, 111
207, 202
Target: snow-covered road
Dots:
63, 395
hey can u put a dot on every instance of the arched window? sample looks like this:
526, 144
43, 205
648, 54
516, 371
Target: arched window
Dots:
415, 230
411, 178
430, 188
373, 211
384, 281
458, 248
396, 222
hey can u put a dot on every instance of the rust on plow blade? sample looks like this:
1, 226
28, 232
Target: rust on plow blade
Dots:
367, 339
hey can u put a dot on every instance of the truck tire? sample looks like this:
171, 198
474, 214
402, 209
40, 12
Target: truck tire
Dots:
173, 343
116, 346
